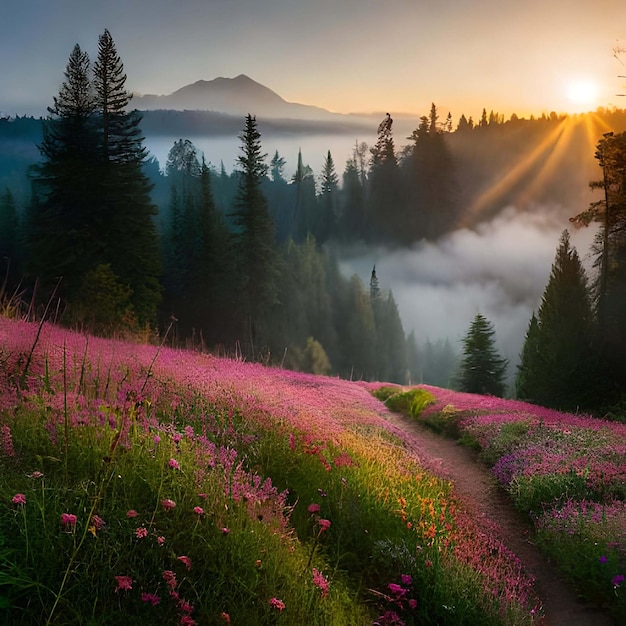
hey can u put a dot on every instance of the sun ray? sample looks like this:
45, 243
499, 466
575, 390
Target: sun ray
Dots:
572, 137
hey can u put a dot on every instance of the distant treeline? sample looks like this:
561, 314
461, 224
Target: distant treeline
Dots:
245, 262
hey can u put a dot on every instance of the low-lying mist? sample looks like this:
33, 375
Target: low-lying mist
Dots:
499, 269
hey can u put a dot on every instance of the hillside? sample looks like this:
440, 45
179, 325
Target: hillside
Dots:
184, 487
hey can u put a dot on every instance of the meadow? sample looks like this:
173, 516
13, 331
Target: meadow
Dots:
141, 483
567, 472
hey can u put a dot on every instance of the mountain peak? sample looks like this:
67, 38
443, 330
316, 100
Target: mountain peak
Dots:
236, 96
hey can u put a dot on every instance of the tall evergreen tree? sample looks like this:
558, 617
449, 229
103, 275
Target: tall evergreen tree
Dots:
352, 209
324, 225
384, 200
303, 183
555, 368
255, 246
482, 369
92, 204
9, 244
610, 247
130, 232
430, 181
63, 224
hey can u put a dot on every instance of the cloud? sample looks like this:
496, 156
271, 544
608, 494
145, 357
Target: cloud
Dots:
499, 269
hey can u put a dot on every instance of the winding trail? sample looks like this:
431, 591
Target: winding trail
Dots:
482, 496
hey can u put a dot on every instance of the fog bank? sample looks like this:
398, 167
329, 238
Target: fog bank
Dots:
499, 269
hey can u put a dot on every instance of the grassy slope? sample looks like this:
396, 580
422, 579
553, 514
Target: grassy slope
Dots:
140, 484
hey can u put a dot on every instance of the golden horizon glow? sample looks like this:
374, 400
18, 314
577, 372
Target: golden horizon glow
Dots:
571, 133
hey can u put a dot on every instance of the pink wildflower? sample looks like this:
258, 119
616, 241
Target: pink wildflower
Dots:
617, 580
173, 463
279, 605
398, 590
313, 508
19, 498
160, 540
186, 560
203, 495
184, 606
168, 504
324, 524
225, 530
406, 580
68, 519
177, 437
98, 522
35, 474
131, 513
156, 439
141, 532
170, 578
125, 583
225, 616
152, 598
185, 620
7, 440
198, 510
321, 582
413, 603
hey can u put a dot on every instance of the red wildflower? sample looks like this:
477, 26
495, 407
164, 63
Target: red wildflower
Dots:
19, 498
124, 582
152, 598
68, 519
186, 560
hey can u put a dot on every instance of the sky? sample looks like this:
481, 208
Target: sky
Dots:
346, 56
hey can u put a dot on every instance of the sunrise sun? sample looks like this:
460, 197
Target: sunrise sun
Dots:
582, 95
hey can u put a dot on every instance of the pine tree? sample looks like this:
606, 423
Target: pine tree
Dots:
327, 211
430, 178
609, 289
385, 208
304, 200
352, 210
9, 244
64, 219
529, 381
255, 247
482, 369
555, 368
129, 234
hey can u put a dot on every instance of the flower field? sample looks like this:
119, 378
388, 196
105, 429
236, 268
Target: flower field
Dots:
568, 472
140, 483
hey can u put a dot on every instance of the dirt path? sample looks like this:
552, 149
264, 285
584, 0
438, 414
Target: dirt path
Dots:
483, 496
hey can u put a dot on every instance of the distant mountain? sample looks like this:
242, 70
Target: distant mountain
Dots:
235, 96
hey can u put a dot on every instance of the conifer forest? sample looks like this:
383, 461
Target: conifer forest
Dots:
97, 235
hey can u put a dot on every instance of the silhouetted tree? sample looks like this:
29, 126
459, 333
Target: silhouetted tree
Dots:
352, 210
556, 361
65, 217
482, 370
10, 269
129, 234
431, 182
326, 220
610, 262
255, 248
384, 200
303, 183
